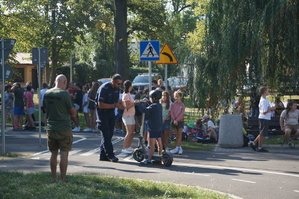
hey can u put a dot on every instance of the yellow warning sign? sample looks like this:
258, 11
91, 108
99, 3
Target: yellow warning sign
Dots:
167, 56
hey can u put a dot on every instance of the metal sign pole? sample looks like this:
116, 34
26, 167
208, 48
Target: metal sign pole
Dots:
166, 68
3, 100
39, 98
150, 75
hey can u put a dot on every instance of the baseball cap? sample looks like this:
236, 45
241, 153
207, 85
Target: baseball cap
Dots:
205, 117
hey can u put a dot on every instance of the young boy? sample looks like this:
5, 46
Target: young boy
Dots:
154, 117
264, 117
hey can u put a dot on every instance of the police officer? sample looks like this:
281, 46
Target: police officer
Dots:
107, 100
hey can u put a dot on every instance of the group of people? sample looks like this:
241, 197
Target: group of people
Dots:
84, 102
160, 111
288, 121
203, 130
61, 109
19, 102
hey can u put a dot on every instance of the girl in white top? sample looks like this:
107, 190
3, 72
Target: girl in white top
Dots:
86, 110
289, 122
128, 117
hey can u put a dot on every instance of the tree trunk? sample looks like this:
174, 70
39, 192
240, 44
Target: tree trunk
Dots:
121, 59
54, 60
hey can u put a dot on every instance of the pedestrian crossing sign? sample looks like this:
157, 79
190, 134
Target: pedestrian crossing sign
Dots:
149, 50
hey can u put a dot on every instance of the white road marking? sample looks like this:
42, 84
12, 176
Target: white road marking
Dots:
91, 152
198, 174
117, 140
40, 153
122, 155
237, 169
296, 191
128, 158
72, 152
35, 158
82, 138
48, 153
244, 181
3, 166
224, 167
147, 170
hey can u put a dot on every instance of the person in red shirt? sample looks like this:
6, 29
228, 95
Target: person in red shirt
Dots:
71, 89
29, 108
177, 110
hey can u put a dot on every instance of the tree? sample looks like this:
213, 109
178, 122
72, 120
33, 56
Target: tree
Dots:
121, 56
246, 43
53, 24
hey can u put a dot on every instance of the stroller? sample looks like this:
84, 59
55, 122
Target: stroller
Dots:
141, 152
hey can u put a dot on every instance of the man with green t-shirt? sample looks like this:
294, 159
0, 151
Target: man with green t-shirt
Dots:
60, 108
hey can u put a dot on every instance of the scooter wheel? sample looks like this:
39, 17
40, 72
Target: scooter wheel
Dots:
138, 155
167, 159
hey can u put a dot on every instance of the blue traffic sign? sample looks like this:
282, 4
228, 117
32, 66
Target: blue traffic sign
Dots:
149, 50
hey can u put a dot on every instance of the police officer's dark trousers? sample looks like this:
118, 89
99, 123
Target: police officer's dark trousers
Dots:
107, 118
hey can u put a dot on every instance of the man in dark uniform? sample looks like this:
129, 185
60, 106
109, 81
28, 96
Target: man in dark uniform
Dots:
107, 100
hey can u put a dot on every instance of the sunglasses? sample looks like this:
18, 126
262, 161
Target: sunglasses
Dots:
119, 84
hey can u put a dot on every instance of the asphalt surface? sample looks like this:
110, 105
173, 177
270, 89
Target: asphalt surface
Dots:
240, 172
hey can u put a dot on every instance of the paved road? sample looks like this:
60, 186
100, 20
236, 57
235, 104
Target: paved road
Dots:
240, 172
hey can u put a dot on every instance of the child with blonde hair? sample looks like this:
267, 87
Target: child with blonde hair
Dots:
177, 110
165, 102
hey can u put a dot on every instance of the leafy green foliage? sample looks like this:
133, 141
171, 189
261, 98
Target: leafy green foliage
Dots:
52, 24
246, 43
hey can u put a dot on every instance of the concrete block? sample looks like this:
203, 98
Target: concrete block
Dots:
230, 132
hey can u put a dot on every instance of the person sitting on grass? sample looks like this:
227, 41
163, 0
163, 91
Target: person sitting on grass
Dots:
200, 129
154, 115
212, 129
289, 122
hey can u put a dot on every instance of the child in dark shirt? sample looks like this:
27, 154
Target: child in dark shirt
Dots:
154, 117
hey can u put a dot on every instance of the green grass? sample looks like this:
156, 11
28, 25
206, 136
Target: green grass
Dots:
38, 185
278, 139
11, 155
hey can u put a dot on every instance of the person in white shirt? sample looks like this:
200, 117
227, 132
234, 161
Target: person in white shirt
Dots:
264, 117
289, 122
42, 93
86, 110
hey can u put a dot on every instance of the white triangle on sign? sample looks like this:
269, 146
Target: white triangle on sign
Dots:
149, 51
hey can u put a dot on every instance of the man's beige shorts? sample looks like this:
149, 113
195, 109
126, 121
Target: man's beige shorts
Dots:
62, 140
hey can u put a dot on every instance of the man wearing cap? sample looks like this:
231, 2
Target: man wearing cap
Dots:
212, 129
107, 100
